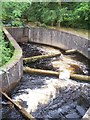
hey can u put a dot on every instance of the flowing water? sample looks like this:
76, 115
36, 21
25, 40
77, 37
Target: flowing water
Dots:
48, 96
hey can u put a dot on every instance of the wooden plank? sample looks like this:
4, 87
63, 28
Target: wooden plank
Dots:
39, 57
48, 72
21, 109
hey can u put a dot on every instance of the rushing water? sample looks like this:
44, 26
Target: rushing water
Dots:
48, 96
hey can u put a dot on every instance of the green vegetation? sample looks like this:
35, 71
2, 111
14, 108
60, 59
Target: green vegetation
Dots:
14, 12
68, 14
6, 50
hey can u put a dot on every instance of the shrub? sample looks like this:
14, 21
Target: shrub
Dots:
6, 50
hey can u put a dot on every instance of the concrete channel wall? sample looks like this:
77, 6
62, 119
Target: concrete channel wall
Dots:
55, 38
52, 37
12, 71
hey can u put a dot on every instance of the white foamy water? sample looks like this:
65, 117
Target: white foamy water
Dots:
42, 95
38, 96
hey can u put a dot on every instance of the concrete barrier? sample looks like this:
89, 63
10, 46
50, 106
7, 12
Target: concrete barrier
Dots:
55, 38
60, 39
52, 37
19, 34
12, 71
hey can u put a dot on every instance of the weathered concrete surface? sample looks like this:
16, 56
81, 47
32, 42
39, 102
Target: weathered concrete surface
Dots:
52, 37
19, 34
12, 71
60, 39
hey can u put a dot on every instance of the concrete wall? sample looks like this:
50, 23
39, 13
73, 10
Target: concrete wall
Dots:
56, 38
11, 72
19, 34
60, 39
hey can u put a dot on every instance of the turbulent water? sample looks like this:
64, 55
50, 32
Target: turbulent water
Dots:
47, 96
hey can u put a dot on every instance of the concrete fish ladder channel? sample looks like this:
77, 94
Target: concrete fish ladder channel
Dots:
52, 37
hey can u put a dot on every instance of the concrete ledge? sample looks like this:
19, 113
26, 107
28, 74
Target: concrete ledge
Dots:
12, 71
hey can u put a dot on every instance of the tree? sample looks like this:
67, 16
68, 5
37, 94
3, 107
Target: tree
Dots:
68, 14
19, 12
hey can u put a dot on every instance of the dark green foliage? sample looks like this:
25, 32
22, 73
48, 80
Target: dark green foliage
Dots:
6, 49
5, 52
78, 15
14, 12
68, 14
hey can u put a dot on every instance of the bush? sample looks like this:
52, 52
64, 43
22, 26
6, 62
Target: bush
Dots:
68, 14
6, 50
